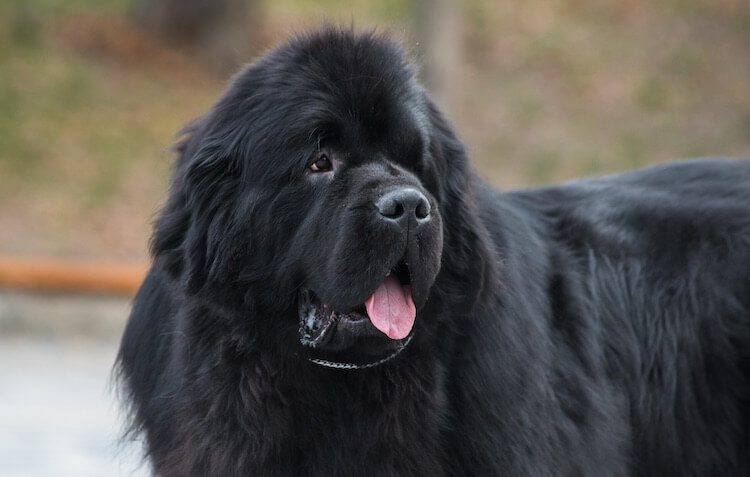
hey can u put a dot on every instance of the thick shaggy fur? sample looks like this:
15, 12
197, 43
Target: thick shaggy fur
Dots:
599, 327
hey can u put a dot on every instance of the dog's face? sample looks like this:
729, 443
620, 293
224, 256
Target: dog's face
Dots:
368, 245
314, 180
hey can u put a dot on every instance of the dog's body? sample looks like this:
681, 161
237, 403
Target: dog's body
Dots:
600, 327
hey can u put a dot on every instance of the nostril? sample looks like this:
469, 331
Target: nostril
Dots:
390, 207
392, 210
423, 209
399, 210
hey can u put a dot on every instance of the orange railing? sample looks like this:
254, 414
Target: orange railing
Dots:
69, 275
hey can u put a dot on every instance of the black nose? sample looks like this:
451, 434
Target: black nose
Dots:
400, 205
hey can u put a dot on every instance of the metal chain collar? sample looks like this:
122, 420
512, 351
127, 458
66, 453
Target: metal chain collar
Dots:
336, 365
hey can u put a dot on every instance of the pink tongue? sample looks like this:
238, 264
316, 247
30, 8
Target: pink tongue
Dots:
391, 308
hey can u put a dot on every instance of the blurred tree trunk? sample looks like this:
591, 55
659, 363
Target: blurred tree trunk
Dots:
221, 32
438, 28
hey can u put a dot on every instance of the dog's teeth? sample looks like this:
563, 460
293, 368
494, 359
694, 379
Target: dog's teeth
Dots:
310, 322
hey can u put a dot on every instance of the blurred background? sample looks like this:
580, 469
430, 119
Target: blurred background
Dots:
92, 93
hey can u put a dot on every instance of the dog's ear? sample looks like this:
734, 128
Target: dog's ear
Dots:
466, 240
172, 223
189, 235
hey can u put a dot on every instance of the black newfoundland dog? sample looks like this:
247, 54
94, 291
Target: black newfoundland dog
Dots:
334, 292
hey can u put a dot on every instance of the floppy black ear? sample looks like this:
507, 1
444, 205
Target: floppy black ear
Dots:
189, 235
172, 223
465, 239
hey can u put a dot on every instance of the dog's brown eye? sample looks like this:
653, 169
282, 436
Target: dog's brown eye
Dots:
321, 164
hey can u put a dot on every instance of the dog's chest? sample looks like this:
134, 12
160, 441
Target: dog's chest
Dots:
343, 429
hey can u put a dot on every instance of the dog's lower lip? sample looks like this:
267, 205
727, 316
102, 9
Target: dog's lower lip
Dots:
357, 314
353, 318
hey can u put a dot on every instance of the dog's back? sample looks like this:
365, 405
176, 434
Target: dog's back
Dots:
658, 262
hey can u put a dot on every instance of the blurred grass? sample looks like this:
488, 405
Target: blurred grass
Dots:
549, 90
589, 87
86, 128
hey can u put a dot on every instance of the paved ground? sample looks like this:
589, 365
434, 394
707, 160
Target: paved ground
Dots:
58, 415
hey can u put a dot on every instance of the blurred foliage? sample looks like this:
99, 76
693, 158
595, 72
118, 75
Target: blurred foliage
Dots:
550, 90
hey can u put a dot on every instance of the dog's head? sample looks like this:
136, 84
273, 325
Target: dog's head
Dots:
314, 193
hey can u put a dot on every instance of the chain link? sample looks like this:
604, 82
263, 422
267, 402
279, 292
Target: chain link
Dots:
336, 365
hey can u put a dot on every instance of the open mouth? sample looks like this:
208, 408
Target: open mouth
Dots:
388, 312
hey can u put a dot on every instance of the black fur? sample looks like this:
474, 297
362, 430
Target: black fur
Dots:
599, 327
